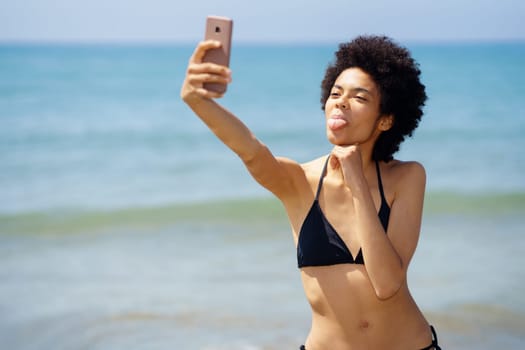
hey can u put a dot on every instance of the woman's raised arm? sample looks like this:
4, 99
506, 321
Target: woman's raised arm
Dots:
275, 174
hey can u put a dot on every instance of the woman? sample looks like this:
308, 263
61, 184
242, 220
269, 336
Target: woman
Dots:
355, 213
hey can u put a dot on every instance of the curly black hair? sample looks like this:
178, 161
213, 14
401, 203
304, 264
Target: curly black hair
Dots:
396, 74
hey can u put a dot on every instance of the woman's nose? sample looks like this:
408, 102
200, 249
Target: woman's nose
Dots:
341, 103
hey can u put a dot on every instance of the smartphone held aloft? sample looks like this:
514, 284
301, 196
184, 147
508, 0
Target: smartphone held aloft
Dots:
220, 29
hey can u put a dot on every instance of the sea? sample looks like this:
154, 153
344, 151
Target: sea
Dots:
125, 224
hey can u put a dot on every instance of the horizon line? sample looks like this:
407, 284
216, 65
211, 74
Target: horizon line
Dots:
243, 42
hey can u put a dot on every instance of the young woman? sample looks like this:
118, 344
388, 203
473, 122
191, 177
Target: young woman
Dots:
356, 212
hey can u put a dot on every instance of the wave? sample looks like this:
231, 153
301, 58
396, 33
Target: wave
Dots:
154, 217
488, 204
261, 210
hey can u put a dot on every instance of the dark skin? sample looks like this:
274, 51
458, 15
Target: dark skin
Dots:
353, 306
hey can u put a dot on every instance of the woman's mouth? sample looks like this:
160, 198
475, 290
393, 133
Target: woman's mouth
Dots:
336, 122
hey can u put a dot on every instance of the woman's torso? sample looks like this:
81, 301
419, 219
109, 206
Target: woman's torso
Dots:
346, 313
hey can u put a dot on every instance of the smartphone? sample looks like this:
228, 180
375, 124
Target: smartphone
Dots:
220, 29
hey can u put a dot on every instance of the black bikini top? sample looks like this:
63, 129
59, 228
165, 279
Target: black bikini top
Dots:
319, 243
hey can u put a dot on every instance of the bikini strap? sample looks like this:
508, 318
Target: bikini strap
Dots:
435, 339
434, 345
380, 183
321, 178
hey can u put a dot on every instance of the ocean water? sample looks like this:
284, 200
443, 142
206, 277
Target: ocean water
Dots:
125, 224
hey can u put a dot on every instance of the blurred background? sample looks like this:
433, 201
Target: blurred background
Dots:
125, 224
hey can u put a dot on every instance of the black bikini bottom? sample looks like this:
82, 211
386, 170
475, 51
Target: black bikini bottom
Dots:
433, 346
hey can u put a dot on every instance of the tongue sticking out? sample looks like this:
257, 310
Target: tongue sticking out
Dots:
335, 123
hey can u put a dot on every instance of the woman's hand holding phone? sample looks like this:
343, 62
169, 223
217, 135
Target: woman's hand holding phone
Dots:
208, 73
201, 73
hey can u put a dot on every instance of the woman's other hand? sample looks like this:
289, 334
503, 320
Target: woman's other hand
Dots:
348, 159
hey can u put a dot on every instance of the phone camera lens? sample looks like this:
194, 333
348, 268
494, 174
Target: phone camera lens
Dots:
217, 29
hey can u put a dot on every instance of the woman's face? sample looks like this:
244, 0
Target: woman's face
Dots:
352, 109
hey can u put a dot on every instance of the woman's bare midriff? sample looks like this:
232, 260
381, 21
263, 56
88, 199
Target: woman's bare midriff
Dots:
346, 313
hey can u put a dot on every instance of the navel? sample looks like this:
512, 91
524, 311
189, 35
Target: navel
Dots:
364, 325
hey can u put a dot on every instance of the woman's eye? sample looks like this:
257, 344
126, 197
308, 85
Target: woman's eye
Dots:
360, 98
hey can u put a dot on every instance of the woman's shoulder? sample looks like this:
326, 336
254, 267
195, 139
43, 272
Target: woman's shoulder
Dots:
309, 174
313, 168
403, 166
303, 175
315, 163
405, 173
305, 180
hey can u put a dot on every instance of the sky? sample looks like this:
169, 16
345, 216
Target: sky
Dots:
261, 21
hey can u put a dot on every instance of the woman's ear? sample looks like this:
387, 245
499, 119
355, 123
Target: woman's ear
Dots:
386, 122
